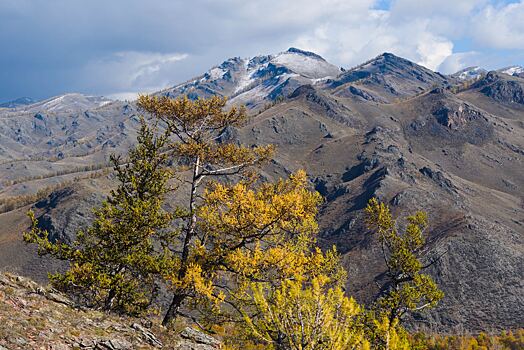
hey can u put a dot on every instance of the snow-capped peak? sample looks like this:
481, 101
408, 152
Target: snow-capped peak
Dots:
305, 63
253, 80
470, 73
215, 73
512, 70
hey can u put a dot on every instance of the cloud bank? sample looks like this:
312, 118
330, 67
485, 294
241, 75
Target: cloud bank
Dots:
119, 48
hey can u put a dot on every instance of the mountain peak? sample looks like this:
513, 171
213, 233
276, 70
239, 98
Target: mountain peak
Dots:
388, 76
265, 77
305, 53
389, 55
470, 73
512, 70
384, 60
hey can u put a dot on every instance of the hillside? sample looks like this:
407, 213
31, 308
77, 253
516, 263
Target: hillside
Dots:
388, 128
37, 317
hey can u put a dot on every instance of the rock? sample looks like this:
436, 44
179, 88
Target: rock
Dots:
6, 281
113, 344
147, 335
361, 93
26, 283
20, 341
87, 344
502, 89
199, 337
228, 134
58, 298
438, 177
455, 117
395, 201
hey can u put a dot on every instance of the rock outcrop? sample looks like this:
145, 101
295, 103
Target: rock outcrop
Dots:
37, 317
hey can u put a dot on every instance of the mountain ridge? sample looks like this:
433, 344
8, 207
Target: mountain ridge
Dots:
388, 128
21, 101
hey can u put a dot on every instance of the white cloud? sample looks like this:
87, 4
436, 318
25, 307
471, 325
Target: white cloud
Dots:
432, 8
140, 45
129, 72
433, 50
457, 61
349, 44
500, 27
124, 96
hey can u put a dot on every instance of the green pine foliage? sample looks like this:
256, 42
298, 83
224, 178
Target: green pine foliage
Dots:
113, 264
406, 289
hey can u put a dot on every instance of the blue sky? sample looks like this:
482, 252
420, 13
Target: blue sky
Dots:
119, 48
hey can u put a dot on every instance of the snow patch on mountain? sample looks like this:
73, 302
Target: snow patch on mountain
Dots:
470, 73
215, 74
253, 80
308, 66
246, 78
512, 70
67, 102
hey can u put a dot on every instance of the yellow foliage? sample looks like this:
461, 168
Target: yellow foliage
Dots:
305, 315
503, 341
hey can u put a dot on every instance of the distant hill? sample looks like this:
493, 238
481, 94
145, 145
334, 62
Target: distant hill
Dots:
22, 101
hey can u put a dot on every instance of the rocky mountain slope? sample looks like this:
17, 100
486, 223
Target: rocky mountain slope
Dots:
389, 128
37, 317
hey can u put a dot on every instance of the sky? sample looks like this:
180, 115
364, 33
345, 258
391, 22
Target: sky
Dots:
118, 48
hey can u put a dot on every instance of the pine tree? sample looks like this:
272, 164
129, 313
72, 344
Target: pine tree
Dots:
113, 264
406, 289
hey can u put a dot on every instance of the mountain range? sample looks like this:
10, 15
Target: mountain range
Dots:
22, 101
452, 145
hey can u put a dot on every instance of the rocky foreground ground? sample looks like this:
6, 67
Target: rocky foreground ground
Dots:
36, 317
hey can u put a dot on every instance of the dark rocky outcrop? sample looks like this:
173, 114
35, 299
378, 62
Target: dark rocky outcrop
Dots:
502, 88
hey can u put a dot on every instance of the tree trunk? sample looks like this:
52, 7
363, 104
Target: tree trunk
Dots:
280, 344
179, 297
191, 225
173, 309
108, 304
